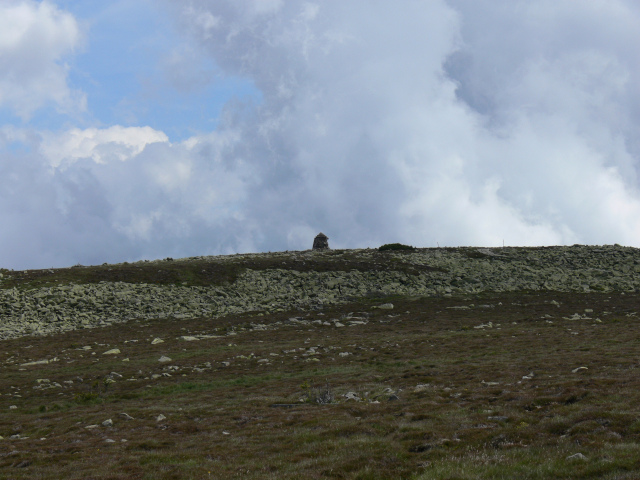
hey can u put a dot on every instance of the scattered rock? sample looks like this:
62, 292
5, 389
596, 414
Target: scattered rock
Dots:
156, 341
352, 396
107, 423
13, 407
160, 418
127, 416
39, 362
188, 338
484, 325
386, 306
576, 456
453, 271
164, 359
113, 351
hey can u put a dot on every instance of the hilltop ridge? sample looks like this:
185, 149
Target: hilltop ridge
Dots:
420, 364
49, 301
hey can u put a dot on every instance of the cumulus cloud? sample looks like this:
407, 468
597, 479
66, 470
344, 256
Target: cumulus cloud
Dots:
455, 122
100, 145
107, 200
443, 122
35, 37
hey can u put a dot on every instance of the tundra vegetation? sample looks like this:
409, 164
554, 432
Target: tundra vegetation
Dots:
457, 363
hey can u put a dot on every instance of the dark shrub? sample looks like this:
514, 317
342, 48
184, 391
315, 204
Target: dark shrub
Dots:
395, 246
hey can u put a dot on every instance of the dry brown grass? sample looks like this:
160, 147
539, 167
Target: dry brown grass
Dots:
474, 415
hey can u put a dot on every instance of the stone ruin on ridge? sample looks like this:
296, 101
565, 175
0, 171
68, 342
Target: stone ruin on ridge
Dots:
321, 242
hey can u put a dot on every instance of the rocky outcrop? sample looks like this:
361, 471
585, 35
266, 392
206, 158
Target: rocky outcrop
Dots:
424, 272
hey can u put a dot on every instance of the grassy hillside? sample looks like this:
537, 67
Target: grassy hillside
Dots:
428, 364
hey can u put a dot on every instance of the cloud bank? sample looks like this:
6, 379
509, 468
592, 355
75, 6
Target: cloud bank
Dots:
444, 122
34, 37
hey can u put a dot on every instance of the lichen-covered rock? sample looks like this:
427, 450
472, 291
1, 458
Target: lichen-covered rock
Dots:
422, 272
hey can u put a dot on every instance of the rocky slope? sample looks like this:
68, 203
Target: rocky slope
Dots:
76, 298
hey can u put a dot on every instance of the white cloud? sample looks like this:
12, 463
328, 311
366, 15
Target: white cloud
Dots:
35, 37
100, 145
453, 121
444, 122
164, 199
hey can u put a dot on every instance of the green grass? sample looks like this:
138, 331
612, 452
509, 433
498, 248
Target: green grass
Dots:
439, 398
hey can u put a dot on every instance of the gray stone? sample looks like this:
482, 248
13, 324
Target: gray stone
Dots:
50, 310
321, 242
576, 456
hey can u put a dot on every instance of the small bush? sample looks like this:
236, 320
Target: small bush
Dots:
395, 246
86, 397
321, 395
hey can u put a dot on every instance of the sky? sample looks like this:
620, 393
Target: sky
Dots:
144, 129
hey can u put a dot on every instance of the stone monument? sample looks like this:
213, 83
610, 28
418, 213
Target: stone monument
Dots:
321, 242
